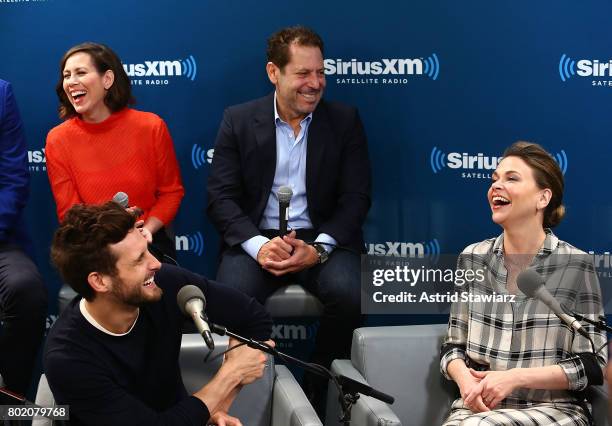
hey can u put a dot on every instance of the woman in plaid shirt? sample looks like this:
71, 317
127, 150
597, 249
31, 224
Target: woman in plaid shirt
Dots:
517, 363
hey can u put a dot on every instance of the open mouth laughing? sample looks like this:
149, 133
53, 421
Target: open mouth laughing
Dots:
498, 202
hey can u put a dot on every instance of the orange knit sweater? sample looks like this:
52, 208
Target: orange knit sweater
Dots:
131, 151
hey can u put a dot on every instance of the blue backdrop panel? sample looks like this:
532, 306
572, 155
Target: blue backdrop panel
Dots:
436, 84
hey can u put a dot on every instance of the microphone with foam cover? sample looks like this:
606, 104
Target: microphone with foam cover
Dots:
192, 302
532, 285
123, 200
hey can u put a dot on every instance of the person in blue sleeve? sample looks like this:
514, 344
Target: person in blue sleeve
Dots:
112, 355
23, 296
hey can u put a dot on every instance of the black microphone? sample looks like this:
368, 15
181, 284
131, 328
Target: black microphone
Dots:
192, 302
532, 285
284, 195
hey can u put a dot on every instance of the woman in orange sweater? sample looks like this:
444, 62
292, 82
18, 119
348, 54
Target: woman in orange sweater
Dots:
104, 147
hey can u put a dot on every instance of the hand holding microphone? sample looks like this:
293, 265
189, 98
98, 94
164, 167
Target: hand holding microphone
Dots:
123, 200
284, 195
247, 362
244, 361
277, 249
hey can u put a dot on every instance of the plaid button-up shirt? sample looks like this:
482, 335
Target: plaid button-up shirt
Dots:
523, 334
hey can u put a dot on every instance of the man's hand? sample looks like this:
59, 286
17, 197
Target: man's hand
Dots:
304, 256
248, 363
275, 249
495, 385
221, 418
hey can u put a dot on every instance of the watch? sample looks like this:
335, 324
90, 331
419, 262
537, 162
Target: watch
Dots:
323, 254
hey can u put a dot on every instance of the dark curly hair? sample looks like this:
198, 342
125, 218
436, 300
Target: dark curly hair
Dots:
81, 244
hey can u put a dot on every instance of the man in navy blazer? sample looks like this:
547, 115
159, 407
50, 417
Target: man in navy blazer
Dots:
294, 138
23, 296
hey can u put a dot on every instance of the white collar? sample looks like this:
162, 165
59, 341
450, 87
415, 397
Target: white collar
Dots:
96, 324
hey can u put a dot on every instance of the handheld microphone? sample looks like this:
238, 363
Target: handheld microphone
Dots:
532, 285
192, 302
123, 200
284, 195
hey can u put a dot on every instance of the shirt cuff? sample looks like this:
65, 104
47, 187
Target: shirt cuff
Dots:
454, 352
327, 239
575, 372
253, 244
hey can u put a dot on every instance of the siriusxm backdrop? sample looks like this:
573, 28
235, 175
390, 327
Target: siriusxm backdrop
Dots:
442, 88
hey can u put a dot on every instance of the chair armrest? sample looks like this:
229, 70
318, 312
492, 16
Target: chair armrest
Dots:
598, 397
367, 411
290, 407
44, 398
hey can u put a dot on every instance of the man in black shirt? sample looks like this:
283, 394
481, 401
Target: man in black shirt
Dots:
113, 353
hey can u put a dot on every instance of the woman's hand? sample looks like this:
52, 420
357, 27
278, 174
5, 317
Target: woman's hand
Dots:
494, 386
470, 387
144, 231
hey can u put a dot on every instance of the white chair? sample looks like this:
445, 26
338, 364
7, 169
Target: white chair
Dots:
404, 362
276, 399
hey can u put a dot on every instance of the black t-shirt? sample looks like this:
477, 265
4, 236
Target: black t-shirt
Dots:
135, 378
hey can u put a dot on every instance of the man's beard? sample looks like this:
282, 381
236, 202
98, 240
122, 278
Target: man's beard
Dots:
135, 297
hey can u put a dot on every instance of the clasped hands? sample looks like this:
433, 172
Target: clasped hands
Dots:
484, 390
281, 256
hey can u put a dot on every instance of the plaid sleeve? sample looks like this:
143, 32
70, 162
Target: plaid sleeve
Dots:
575, 372
456, 338
583, 367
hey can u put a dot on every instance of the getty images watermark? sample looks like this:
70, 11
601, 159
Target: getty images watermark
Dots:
429, 285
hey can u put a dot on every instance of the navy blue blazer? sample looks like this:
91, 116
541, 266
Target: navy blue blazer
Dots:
14, 175
337, 172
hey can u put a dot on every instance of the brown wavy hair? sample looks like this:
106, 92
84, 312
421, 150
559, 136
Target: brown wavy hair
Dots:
547, 174
103, 58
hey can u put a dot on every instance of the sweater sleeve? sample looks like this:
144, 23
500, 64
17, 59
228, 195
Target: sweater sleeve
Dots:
96, 399
169, 191
14, 176
60, 178
238, 312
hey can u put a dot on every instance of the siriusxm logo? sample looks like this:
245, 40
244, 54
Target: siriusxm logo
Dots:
438, 160
155, 72
393, 70
22, 1
200, 157
602, 263
569, 68
193, 243
294, 332
37, 157
37, 161
404, 249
